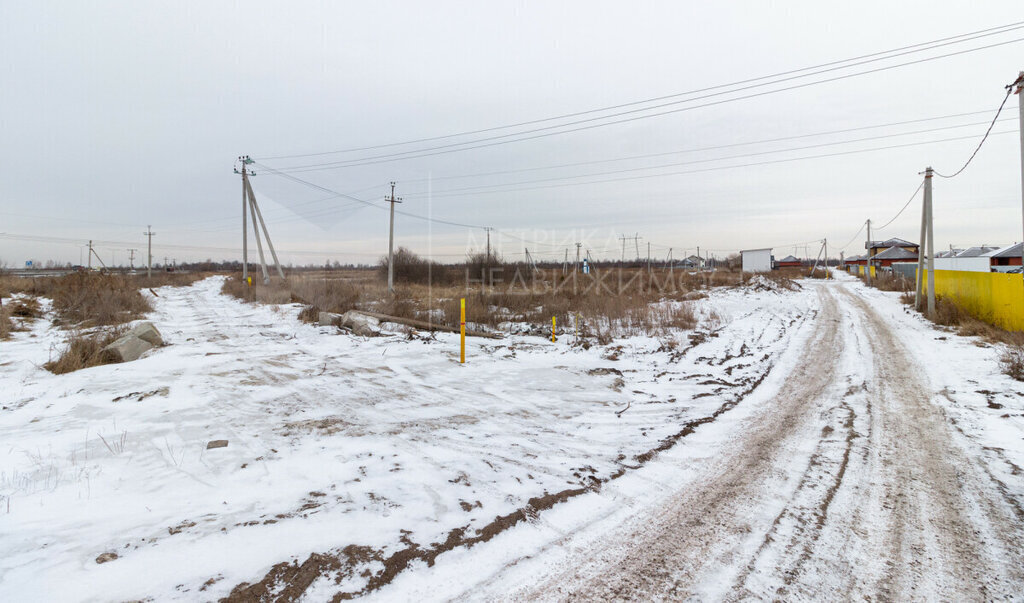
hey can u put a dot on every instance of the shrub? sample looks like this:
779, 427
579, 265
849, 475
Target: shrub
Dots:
82, 350
411, 268
1012, 362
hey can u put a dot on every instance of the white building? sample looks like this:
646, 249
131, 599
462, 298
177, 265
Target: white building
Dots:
757, 260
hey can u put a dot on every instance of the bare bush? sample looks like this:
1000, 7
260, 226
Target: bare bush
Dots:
82, 350
411, 268
1012, 362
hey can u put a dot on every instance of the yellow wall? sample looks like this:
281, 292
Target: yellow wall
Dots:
994, 297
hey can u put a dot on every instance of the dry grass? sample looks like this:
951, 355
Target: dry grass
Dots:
91, 298
607, 306
82, 350
1012, 362
6, 325
950, 314
886, 281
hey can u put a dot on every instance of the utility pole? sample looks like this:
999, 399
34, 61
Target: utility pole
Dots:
391, 240
1020, 101
931, 240
249, 198
919, 281
89, 266
648, 257
486, 228
636, 241
149, 262
131, 259
578, 245
868, 271
827, 274
623, 237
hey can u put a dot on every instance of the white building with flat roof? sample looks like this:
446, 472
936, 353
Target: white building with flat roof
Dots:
757, 260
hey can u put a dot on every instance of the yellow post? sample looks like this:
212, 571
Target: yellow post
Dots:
552, 328
462, 330
249, 279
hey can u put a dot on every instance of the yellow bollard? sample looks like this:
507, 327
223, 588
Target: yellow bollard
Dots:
249, 279
552, 328
462, 331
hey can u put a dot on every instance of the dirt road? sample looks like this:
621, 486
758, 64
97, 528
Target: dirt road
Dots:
849, 484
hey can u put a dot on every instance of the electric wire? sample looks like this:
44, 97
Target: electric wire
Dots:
905, 206
489, 188
503, 139
947, 40
1009, 89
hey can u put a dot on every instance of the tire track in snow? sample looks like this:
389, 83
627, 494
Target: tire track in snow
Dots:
709, 525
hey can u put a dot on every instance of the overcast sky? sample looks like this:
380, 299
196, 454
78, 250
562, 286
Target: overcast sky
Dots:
116, 115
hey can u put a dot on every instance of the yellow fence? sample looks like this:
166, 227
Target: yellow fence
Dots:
994, 297
858, 270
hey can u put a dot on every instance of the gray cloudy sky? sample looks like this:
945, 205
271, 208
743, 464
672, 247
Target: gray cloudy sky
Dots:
115, 115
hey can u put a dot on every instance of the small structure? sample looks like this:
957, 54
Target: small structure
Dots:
694, 261
789, 262
757, 260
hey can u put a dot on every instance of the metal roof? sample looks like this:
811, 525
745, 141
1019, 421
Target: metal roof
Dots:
973, 252
889, 243
895, 253
1011, 251
789, 258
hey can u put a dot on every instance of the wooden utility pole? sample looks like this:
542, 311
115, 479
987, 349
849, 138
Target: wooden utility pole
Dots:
149, 261
391, 240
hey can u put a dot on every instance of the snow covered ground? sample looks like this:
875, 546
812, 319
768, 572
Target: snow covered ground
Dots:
382, 466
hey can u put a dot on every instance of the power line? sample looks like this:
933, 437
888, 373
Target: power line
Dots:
451, 192
368, 203
905, 205
938, 43
739, 165
1009, 89
500, 140
701, 149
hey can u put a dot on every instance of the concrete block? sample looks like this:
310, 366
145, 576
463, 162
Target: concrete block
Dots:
361, 324
125, 349
216, 444
328, 319
146, 331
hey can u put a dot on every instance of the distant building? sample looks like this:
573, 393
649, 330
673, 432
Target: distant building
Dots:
974, 252
694, 261
893, 255
789, 262
876, 247
1005, 259
857, 260
757, 260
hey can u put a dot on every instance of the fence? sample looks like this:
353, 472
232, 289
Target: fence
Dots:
858, 270
994, 297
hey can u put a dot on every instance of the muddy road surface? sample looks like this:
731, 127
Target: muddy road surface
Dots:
849, 484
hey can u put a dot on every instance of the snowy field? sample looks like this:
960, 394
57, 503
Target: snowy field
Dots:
383, 467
